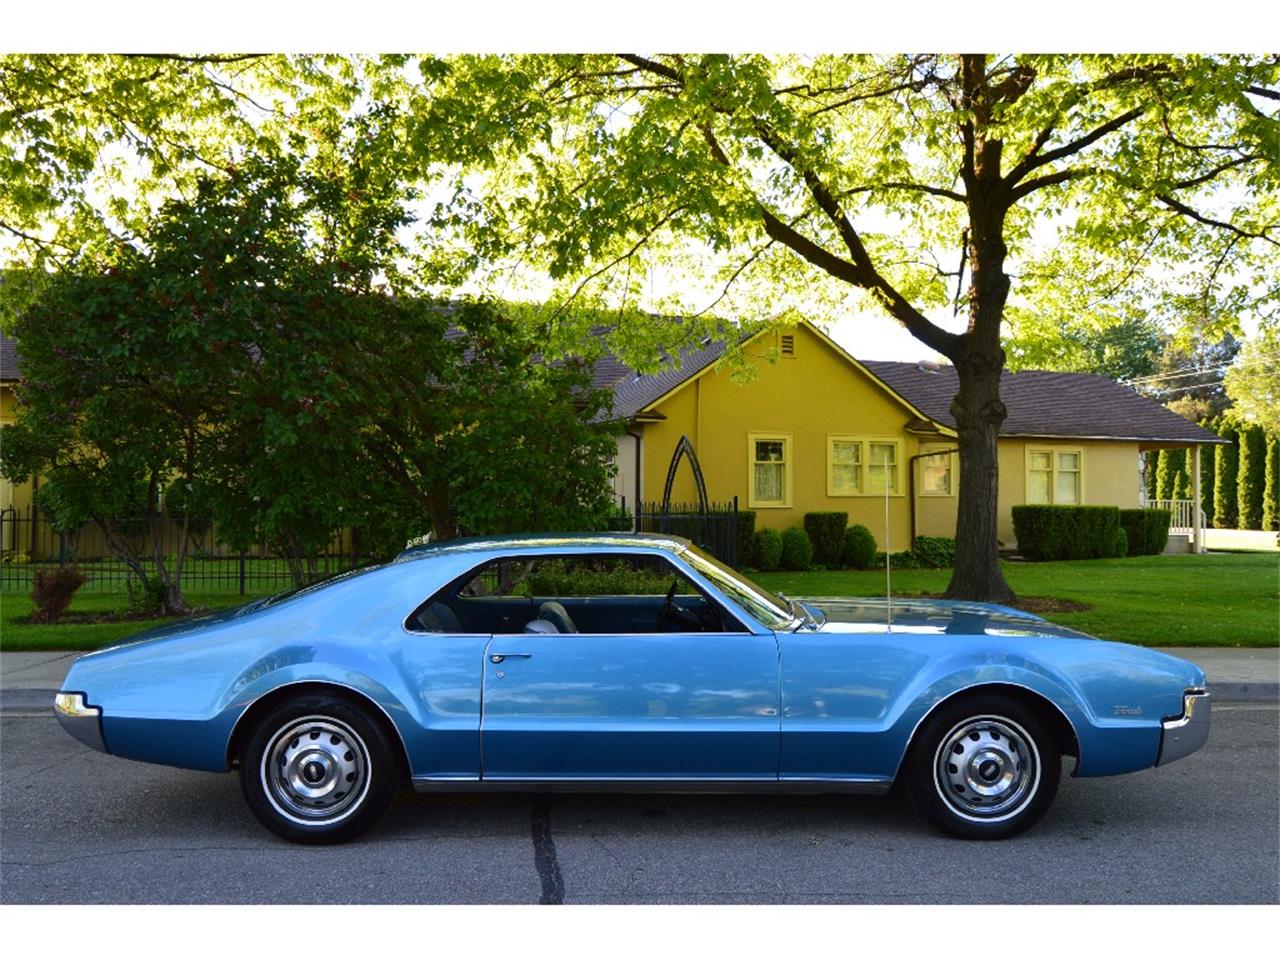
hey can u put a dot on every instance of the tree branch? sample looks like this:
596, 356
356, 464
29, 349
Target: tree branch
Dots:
901, 185
1034, 159
1187, 211
1048, 180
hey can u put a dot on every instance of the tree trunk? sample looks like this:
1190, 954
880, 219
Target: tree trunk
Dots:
979, 360
978, 413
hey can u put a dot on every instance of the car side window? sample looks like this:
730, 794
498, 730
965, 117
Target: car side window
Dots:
577, 593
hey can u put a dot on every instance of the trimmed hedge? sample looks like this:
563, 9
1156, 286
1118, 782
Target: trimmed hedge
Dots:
746, 534
1147, 530
935, 551
826, 532
797, 549
1120, 546
1046, 532
768, 549
858, 551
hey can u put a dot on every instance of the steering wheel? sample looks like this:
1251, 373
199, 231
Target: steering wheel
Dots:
672, 616
668, 611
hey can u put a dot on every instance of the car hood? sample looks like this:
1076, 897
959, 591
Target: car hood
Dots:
911, 615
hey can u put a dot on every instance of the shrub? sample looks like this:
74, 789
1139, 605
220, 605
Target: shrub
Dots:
935, 551
826, 532
1225, 468
1251, 478
1047, 532
746, 535
559, 578
797, 549
52, 592
902, 560
768, 549
1147, 531
1120, 546
858, 552
1271, 487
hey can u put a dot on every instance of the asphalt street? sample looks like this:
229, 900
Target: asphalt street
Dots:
80, 827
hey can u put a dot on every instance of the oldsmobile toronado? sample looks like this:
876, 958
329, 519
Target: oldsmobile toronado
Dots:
626, 661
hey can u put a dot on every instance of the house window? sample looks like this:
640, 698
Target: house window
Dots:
769, 457
846, 467
788, 343
863, 466
1055, 475
936, 472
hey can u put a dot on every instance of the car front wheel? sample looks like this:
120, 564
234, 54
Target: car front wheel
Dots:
984, 768
318, 770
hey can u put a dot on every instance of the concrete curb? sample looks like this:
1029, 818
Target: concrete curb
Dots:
15, 702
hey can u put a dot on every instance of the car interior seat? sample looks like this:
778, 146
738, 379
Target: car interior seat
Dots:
557, 614
541, 626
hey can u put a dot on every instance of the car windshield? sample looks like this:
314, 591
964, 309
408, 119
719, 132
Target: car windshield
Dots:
772, 610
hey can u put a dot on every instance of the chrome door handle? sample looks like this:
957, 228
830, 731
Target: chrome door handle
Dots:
499, 657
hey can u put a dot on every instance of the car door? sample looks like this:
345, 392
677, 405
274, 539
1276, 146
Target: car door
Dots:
623, 704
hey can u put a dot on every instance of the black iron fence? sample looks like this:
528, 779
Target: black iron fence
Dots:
29, 543
714, 530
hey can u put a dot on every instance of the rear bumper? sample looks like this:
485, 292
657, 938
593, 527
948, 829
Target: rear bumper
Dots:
79, 719
1185, 734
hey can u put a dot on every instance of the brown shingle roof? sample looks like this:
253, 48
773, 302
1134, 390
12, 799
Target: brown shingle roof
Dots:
1046, 403
9, 369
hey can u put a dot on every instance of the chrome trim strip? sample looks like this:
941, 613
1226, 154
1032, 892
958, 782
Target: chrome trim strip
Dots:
641, 785
1185, 734
80, 719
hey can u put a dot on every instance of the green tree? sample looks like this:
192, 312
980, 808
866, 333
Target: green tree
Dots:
1171, 476
1251, 478
96, 355
1121, 349
1208, 477
1253, 381
1271, 489
1225, 468
914, 180
1188, 375
1151, 465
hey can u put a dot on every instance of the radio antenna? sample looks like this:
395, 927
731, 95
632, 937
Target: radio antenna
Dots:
888, 585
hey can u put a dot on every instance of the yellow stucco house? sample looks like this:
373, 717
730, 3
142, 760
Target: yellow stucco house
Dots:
821, 430
11, 495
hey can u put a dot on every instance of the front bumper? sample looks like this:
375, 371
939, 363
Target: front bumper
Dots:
79, 719
1185, 734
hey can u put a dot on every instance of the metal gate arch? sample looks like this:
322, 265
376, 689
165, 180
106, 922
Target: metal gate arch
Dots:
684, 448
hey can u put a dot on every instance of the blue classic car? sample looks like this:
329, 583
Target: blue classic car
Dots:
626, 662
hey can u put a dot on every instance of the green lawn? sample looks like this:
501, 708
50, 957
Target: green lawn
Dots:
1208, 600
1211, 600
85, 636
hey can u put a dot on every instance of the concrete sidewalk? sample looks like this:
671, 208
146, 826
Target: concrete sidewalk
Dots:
28, 681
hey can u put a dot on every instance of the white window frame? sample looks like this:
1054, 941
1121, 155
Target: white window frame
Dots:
788, 457
1053, 452
937, 448
864, 453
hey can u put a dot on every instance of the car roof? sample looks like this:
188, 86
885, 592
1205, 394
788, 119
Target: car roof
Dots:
548, 543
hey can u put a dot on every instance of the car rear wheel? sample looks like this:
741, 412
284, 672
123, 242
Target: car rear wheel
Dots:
984, 768
318, 770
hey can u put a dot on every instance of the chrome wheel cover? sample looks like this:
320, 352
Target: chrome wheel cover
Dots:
315, 770
987, 769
